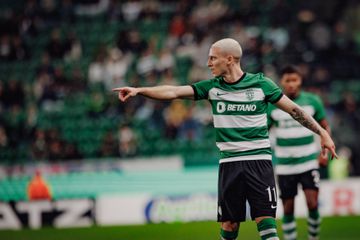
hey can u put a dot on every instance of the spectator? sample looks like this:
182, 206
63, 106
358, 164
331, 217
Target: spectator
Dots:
174, 116
109, 148
45, 91
150, 79
198, 72
2, 97
4, 141
72, 47
15, 122
127, 141
67, 11
71, 152
92, 8
45, 65
190, 129
167, 78
131, 41
97, 104
39, 150
29, 27
202, 114
77, 80
56, 150
321, 78
150, 11
31, 121
239, 32
147, 62
165, 61
131, 10
116, 66
114, 13
61, 82
5, 48
268, 53
20, 50
97, 70
31, 8
38, 188
278, 36
49, 13
14, 94
319, 36
56, 47
177, 26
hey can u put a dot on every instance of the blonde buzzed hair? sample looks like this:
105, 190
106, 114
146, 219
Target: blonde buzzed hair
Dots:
229, 46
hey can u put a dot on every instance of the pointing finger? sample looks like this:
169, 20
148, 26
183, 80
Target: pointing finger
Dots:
117, 89
333, 153
123, 97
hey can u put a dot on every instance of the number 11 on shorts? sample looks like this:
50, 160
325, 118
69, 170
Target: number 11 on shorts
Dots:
272, 195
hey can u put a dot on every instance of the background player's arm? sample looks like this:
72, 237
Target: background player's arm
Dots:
164, 92
270, 121
307, 121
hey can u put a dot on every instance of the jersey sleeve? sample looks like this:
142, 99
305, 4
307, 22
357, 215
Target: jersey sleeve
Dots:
272, 92
319, 109
202, 88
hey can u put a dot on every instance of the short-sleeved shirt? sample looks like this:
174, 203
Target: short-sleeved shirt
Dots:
240, 114
296, 149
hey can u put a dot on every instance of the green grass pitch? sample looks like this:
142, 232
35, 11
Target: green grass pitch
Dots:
344, 228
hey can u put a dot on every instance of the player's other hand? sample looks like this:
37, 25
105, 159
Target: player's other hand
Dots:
125, 92
327, 144
323, 158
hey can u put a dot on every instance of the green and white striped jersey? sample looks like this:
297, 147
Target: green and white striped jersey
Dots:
296, 150
240, 115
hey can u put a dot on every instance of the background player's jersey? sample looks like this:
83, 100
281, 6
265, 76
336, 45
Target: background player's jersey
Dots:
240, 115
296, 150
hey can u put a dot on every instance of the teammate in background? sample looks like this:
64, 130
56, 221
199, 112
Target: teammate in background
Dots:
38, 189
297, 153
239, 103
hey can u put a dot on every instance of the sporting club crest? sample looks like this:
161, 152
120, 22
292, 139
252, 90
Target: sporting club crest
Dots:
250, 94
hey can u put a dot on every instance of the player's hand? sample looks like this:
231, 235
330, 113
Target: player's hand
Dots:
125, 92
323, 158
327, 143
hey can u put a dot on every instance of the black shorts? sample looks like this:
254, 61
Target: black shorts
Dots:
288, 184
251, 180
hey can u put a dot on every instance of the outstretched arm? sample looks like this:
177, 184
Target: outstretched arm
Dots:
164, 92
307, 121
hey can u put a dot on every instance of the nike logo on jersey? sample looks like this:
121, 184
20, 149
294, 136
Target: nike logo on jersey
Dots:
220, 94
273, 207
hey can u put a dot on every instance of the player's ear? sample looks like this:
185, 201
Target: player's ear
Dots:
230, 59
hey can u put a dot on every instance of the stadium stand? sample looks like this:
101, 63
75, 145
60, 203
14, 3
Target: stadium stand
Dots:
59, 60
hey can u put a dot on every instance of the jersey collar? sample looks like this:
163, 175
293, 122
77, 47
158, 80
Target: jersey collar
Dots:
236, 82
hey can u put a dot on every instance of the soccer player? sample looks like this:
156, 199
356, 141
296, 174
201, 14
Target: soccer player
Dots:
239, 103
297, 153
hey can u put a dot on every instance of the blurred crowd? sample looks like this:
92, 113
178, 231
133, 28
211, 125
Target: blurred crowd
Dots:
171, 47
